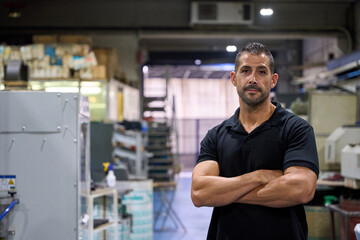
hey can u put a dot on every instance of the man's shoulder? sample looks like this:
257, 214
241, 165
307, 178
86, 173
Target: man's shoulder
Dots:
295, 119
220, 127
288, 117
228, 123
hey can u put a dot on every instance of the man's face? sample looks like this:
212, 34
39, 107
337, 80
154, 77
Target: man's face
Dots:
253, 79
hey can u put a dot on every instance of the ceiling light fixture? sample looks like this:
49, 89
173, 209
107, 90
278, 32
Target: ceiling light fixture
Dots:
14, 14
231, 48
266, 12
14, 8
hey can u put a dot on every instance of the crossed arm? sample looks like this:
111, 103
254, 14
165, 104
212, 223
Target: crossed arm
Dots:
272, 188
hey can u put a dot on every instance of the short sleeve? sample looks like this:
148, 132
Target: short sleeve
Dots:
301, 149
208, 147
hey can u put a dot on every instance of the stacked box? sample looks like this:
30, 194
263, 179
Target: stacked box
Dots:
45, 38
107, 57
54, 38
98, 72
60, 60
319, 224
78, 39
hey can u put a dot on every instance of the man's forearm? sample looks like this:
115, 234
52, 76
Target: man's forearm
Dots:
210, 189
253, 197
297, 186
216, 191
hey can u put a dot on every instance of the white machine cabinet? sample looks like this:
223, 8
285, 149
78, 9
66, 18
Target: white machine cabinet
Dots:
44, 146
338, 139
350, 161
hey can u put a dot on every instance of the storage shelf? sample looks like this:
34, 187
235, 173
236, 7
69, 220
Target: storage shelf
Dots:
162, 175
158, 134
159, 142
104, 226
130, 144
99, 192
154, 109
164, 167
158, 147
163, 153
124, 153
102, 192
161, 160
152, 99
129, 140
153, 141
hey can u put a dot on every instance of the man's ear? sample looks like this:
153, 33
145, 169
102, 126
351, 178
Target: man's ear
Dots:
274, 80
233, 78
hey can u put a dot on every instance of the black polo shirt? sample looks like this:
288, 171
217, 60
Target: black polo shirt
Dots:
284, 140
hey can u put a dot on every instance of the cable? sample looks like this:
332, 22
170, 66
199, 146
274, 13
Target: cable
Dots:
12, 204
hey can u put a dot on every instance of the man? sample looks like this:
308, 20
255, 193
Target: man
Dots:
260, 166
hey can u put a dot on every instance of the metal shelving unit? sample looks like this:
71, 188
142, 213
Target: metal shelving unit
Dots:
161, 164
129, 152
161, 132
104, 192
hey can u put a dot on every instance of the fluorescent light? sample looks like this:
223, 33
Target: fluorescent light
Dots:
266, 11
231, 48
36, 87
90, 84
84, 90
90, 90
62, 89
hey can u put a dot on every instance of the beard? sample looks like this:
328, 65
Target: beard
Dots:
252, 101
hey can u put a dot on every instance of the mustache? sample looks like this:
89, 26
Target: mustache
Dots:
248, 87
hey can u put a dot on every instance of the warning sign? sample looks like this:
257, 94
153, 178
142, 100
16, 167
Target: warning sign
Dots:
7, 183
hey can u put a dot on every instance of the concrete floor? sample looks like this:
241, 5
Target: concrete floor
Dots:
195, 220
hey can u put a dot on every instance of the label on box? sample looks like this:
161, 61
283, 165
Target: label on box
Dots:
7, 183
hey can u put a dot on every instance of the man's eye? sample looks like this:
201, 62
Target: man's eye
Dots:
244, 70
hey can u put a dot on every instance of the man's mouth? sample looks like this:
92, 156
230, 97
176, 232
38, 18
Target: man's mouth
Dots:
252, 89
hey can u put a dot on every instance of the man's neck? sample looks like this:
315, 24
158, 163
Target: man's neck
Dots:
252, 117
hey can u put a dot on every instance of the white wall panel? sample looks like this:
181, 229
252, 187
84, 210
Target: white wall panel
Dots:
204, 98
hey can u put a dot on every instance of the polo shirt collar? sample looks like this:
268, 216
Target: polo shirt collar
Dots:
275, 119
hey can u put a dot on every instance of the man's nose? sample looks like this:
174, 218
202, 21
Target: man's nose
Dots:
253, 79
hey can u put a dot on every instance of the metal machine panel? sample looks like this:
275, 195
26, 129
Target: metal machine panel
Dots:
339, 139
350, 161
47, 166
45, 178
30, 112
328, 111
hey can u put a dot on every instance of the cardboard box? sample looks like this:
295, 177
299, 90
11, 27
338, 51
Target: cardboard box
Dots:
98, 72
45, 38
78, 39
319, 225
109, 58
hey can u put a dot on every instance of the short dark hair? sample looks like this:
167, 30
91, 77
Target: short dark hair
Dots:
256, 49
